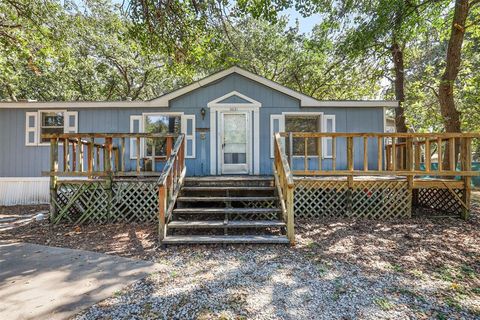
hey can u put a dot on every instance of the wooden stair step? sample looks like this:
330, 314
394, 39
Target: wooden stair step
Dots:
228, 178
225, 239
224, 188
224, 199
225, 210
226, 224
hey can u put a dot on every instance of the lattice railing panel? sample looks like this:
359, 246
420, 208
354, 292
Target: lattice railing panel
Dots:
366, 199
441, 200
135, 201
320, 198
95, 202
82, 202
381, 199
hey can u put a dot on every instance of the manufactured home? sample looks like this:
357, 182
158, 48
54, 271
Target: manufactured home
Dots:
223, 158
228, 119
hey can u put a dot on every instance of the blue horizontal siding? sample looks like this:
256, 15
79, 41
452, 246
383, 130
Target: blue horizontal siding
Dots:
18, 160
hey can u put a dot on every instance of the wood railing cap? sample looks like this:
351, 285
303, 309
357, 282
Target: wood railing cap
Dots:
108, 135
444, 135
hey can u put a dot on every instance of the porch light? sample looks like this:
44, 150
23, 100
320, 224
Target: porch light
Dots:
202, 113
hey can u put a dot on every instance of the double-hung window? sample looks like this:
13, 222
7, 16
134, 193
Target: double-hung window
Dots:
303, 123
51, 122
48, 122
160, 124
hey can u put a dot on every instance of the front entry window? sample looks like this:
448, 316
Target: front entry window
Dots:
235, 139
235, 142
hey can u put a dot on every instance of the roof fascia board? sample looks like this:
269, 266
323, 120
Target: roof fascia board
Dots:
78, 104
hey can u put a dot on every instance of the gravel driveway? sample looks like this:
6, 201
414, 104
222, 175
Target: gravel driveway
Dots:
312, 280
340, 269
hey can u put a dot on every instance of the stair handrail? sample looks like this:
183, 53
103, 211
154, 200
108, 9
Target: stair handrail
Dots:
285, 186
170, 182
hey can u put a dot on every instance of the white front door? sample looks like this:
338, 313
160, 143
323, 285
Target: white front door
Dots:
234, 142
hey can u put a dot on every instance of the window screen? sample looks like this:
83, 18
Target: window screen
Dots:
51, 122
303, 123
160, 124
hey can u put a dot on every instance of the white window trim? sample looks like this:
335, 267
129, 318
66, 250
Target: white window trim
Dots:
183, 129
67, 127
282, 125
324, 129
189, 137
38, 125
33, 129
281, 128
133, 153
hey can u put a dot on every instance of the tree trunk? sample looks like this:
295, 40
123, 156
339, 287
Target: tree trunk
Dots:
450, 114
397, 56
400, 125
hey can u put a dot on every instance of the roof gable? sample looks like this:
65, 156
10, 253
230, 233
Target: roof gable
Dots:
305, 100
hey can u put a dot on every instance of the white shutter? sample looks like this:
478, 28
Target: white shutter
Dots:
31, 128
277, 124
135, 127
188, 128
70, 123
328, 126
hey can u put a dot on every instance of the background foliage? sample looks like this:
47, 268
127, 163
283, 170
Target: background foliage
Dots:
100, 50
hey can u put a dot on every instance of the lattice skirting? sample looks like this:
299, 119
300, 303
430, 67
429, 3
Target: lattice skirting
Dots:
366, 199
100, 202
440, 201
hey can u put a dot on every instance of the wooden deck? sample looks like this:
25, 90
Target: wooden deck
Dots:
260, 209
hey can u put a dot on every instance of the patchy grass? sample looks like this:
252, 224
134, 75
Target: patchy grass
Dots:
384, 304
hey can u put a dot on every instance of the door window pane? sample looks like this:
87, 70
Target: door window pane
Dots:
302, 124
235, 138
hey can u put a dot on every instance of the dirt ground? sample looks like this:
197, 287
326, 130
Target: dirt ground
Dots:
436, 261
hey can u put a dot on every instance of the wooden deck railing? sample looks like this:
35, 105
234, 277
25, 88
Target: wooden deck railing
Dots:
415, 152
170, 183
285, 187
108, 158
105, 153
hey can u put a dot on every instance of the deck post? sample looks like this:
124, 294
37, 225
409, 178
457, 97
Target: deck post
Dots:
80, 155
379, 153
65, 155
365, 153
290, 215
350, 153
108, 180
122, 163
137, 145
428, 155
290, 150
334, 153
466, 159
162, 207
409, 163
74, 156
90, 157
53, 177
